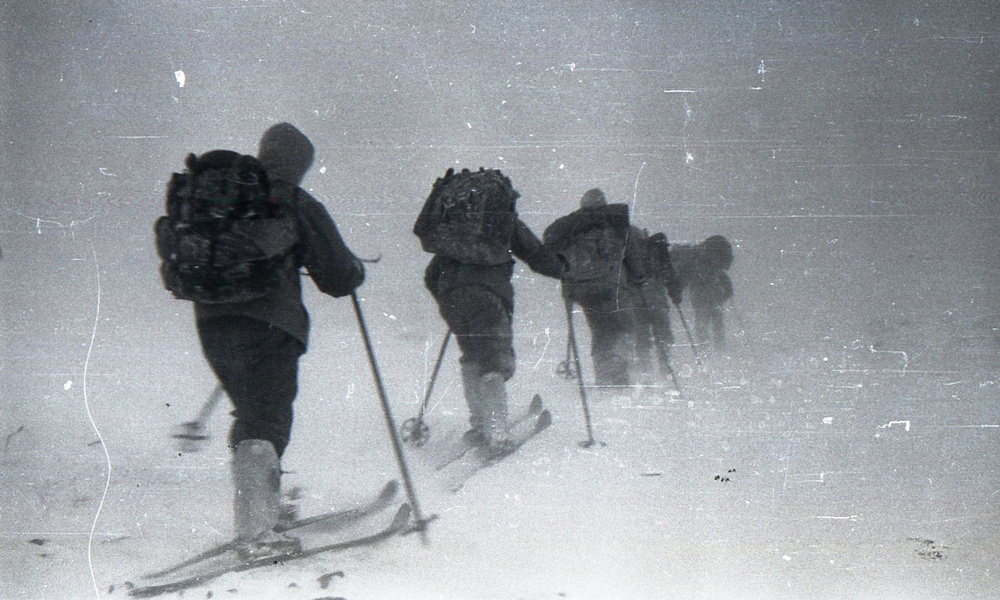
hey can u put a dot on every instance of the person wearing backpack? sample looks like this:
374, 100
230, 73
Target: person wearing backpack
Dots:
238, 230
702, 270
603, 260
652, 317
469, 222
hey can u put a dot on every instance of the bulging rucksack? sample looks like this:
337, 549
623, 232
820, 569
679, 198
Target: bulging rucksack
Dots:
469, 217
590, 243
224, 238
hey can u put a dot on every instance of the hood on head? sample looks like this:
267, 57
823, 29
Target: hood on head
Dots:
286, 153
719, 251
593, 198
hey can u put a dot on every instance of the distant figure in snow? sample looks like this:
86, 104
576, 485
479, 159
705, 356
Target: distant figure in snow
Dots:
702, 272
254, 339
652, 316
603, 259
469, 222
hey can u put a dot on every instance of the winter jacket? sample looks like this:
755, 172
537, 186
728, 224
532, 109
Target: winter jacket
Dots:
563, 230
331, 265
660, 267
443, 274
702, 272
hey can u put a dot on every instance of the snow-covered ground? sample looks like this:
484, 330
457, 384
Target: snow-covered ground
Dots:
843, 446
853, 464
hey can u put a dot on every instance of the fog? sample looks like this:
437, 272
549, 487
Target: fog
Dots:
849, 150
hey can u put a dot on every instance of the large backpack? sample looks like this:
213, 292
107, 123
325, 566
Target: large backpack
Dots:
590, 243
469, 217
224, 238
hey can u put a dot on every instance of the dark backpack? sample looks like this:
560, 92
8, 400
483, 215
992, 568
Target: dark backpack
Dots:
590, 243
469, 217
224, 238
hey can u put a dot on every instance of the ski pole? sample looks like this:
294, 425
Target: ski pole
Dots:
743, 327
579, 375
739, 317
687, 330
414, 429
192, 432
213, 400
569, 351
665, 358
565, 368
397, 446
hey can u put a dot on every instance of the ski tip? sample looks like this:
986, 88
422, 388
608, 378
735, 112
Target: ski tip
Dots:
536, 405
420, 526
402, 516
391, 489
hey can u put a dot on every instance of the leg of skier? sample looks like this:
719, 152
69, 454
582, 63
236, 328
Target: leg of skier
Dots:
471, 373
486, 396
257, 500
493, 393
258, 367
481, 323
609, 347
257, 484
718, 328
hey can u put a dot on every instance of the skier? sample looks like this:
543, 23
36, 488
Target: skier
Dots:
702, 271
254, 346
604, 268
652, 317
470, 224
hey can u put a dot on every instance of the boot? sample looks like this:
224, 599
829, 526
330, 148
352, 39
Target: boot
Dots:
257, 500
493, 393
475, 436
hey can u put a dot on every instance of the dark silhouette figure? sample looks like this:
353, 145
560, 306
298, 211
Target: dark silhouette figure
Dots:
603, 265
702, 271
254, 346
470, 278
652, 316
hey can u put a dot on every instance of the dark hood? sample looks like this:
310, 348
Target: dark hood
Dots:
593, 198
286, 153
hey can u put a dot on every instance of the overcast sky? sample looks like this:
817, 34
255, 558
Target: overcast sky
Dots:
867, 129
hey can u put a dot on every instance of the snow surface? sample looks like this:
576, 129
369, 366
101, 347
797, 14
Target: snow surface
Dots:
843, 446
